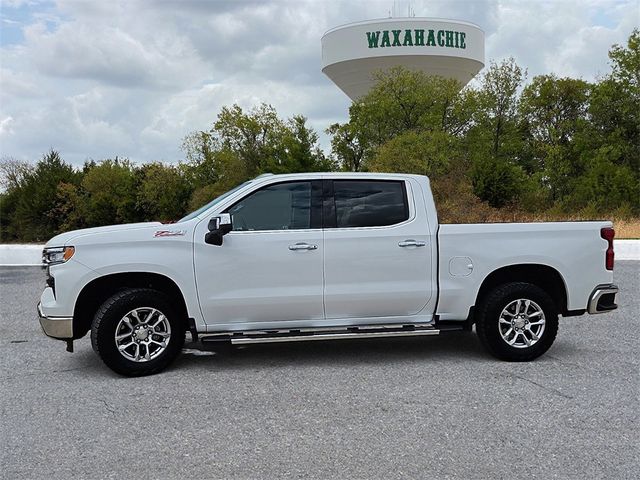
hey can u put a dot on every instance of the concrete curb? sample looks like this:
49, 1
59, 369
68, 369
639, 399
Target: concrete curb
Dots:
30, 255
16, 255
627, 249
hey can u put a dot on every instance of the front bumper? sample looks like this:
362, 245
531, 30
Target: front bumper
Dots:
603, 299
60, 328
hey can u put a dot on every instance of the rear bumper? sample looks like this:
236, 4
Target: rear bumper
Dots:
603, 299
60, 328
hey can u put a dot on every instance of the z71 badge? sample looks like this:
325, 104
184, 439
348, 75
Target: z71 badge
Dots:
170, 233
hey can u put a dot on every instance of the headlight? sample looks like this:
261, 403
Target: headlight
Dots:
55, 255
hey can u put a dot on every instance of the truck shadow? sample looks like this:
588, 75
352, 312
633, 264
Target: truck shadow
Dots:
452, 348
458, 346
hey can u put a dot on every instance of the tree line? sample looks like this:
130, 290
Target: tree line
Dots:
501, 149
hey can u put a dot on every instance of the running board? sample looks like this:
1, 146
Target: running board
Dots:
303, 335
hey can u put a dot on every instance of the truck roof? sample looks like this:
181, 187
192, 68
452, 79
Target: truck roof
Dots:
338, 175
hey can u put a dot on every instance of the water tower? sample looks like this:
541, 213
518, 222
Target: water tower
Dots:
352, 53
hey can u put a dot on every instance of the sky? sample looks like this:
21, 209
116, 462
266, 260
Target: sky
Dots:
95, 79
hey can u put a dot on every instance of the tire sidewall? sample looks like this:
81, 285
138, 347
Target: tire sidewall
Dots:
110, 314
488, 327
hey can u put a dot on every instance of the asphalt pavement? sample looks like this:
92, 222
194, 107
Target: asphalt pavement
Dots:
435, 407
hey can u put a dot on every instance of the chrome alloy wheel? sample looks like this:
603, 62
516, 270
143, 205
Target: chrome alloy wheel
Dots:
521, 323
142, 334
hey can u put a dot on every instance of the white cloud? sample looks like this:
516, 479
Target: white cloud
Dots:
17, 85
560, 37
112, 55
96, 79
5, 126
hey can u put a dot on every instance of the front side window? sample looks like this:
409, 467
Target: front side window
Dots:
363, 203
284, 206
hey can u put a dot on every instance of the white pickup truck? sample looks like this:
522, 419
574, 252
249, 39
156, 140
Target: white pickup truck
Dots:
318, 256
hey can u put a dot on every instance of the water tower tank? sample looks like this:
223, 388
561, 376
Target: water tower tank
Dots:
352, 53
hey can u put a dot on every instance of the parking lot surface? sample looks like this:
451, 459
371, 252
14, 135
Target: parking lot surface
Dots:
436, 407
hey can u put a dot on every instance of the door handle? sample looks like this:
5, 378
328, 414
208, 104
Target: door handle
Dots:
411, 243
303, 246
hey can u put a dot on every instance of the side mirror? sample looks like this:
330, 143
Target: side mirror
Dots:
218, 227
225, 225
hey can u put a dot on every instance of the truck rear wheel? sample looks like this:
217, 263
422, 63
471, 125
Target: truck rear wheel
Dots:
517, 322
137, 332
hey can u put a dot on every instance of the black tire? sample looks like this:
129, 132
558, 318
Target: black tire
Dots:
108, 317
489, 328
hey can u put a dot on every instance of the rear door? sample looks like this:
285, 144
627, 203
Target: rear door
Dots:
377, 249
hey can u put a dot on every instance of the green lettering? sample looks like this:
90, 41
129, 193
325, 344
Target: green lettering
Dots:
407, 38
448, 35
457, 39
372, 38
440, 38
431, 39
419, 37
462, 44
396, 38
385, 39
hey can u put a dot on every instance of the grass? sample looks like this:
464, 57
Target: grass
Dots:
627, 228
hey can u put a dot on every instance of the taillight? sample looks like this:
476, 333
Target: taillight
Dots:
608, 233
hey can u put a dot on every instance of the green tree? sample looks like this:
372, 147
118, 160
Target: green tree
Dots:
163, 193
605, 186
242, 144
498, 106
498, 181
494, 143
424, 153
303, 150
553, 112
406, 109
200, 167
347, 146
109, 193
405, 100
615, 104
68, 207
34, 218
610, 142
255, 137
13, 173
625, 62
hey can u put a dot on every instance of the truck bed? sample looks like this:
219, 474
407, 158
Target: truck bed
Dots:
468, 253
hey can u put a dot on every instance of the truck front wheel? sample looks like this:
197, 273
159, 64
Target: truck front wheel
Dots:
137, 332
517, 322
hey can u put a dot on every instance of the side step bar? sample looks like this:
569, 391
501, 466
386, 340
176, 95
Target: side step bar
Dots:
310, 335
244, 340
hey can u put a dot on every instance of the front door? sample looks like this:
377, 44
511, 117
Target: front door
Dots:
269, 267
377, 250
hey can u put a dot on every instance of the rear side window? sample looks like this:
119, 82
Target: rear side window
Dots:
285, 206
362, 203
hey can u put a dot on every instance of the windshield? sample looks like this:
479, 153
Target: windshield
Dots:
212, 203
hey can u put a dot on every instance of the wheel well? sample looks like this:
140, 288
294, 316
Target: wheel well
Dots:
545, 277
94, 294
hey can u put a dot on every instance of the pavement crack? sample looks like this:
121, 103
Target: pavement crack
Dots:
108, 407
36, 374
544, 387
